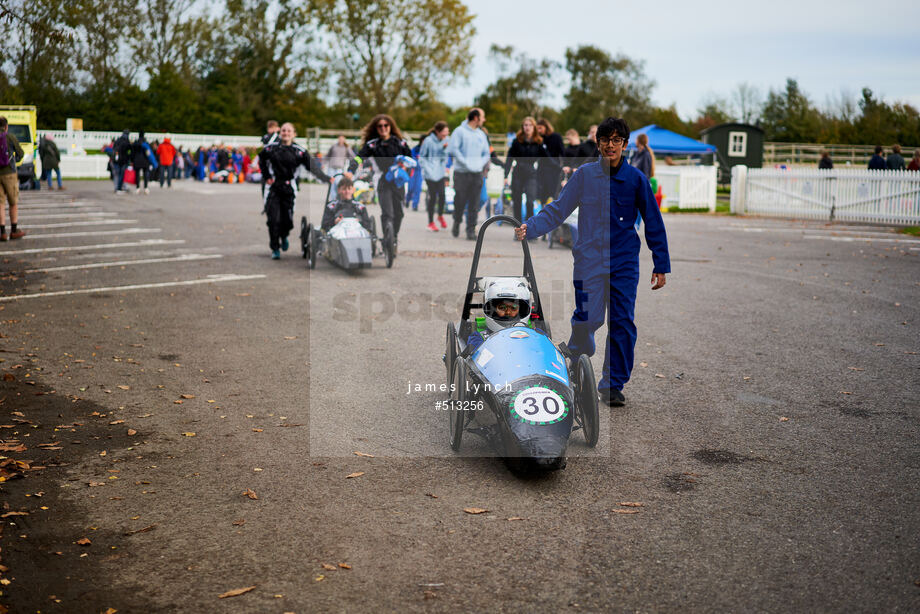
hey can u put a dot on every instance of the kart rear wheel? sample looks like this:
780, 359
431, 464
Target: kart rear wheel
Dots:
375, 248
450, 353
313, 245
586, 412
304, 237
389, 245
455, 410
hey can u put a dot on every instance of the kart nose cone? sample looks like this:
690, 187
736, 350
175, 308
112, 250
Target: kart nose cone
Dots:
547, 452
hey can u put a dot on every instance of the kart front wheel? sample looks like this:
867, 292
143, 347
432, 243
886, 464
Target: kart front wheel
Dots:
455, 405
586, 413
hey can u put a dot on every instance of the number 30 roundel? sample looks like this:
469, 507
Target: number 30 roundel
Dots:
539, 405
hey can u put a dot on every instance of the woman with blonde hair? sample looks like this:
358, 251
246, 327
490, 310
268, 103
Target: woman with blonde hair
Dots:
383, 141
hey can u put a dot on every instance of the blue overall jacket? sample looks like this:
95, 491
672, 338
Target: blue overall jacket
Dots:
608, 242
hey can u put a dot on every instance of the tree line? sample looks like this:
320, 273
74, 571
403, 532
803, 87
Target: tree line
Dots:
227, 67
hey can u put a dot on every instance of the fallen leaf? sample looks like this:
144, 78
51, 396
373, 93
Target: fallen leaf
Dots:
125, 387
14, 447
189, 434
783, 419
344, 565
855, 369
631, 504
114, 422
84, 541
290, 338
95, 483
257, 430
475, 510
432, 495
187, 396
110, 611
235, 592
319, 578
239, 523
8, 514
845, 392
661, 375
625, 511
249, 493
328, 567
643, 364
356, 474
363, 454
131, 432
144, 530
178, 402
516, 518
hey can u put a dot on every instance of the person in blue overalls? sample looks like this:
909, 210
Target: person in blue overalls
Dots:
606, 275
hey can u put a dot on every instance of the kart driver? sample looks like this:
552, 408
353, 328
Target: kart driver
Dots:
506, 303
344, 207
280, 164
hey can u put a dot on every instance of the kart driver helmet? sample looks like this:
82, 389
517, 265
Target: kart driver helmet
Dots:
406, 161
503, 290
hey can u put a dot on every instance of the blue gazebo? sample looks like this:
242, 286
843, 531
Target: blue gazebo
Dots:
665, 142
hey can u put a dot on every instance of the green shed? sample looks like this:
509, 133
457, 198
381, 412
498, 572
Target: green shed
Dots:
737, 144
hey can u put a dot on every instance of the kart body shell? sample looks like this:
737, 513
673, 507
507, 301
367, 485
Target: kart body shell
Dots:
348, 245
533, 394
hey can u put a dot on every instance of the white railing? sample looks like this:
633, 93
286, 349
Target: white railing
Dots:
84, 167
885, 197
74, 142
687, 187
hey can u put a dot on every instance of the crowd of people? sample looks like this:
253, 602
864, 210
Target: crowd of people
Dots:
139, 162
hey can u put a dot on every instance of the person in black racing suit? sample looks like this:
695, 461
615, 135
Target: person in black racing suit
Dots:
280, 163
383, 141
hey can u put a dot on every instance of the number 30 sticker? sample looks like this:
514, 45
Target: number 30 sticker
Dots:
539, 405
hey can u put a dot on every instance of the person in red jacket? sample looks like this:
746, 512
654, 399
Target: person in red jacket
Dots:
166, 154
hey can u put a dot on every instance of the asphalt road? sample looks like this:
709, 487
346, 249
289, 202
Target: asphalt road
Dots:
771, 435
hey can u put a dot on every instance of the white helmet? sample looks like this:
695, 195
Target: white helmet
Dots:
501, 290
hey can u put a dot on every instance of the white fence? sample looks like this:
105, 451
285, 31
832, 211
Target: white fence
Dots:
73, 142
687, 187
885, 197
85, 167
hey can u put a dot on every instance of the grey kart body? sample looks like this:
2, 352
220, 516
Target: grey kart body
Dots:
348, 245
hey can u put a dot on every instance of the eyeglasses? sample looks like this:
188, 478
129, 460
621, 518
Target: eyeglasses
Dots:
382, 125
617, 140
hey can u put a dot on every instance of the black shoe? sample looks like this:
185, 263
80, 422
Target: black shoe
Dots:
456, 229
613, 398
470, 234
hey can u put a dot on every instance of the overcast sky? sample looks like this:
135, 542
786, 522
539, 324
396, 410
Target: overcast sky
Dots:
695, 49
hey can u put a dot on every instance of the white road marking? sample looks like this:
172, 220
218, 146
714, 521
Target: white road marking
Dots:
81, 214
76, 248
192, 282
61, 205
863, 239
828, 231
123, 231
98, 265
83, 223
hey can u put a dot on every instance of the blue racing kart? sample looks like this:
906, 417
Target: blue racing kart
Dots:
517, 390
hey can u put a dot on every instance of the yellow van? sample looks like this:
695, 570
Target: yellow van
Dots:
23, 122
